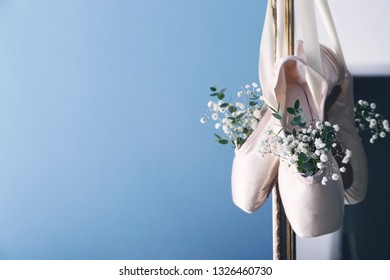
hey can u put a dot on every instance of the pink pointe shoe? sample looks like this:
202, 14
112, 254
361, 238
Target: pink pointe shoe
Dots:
253, 176
311, 208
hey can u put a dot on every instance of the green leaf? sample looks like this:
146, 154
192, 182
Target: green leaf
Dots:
223, 105
296, 104
296, 121
277, 116
221, 96
231, 118
240, 116
252, 103
294, 132
216, 135
232, 109
213, 88
302, 124
303, 158
214, 94
223, 141
223, 90
291, 110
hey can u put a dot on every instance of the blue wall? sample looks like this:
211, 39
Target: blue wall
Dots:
102, 155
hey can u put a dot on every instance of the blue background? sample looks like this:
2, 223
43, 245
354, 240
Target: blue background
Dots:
102, 155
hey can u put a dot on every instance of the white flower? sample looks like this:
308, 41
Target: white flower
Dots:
373, 106
335, 177
222, 110
328, 123
372, 140
319, 125
375, 136
240, 105
319, 144
360, 102
348, 153
217, 125
239, 94
345, 160
203, 120
320, 165
305, 138
336, 127
318, 152
210, 103
214, 116
382, 134
385, 123
343, 169
254, 85
243, 136
373, 122
256, 113
248, 92
324, 158
258, 89
324, 180
334, 145
247, 86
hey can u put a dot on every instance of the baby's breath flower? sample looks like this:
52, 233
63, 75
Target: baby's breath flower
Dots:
373, 106
335, 177
343, 169
319, 144
324, 181
256, 114
345, 160
258, 89
382, 134
319, 125
324, 158
217, 125
336, 127
239, 94
203, 120
214, 116
247, 86
254, 85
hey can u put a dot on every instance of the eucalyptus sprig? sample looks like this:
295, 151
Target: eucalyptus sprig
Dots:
236, 119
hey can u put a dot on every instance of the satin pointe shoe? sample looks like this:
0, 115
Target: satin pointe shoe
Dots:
254, 176
311, 208
339, 108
